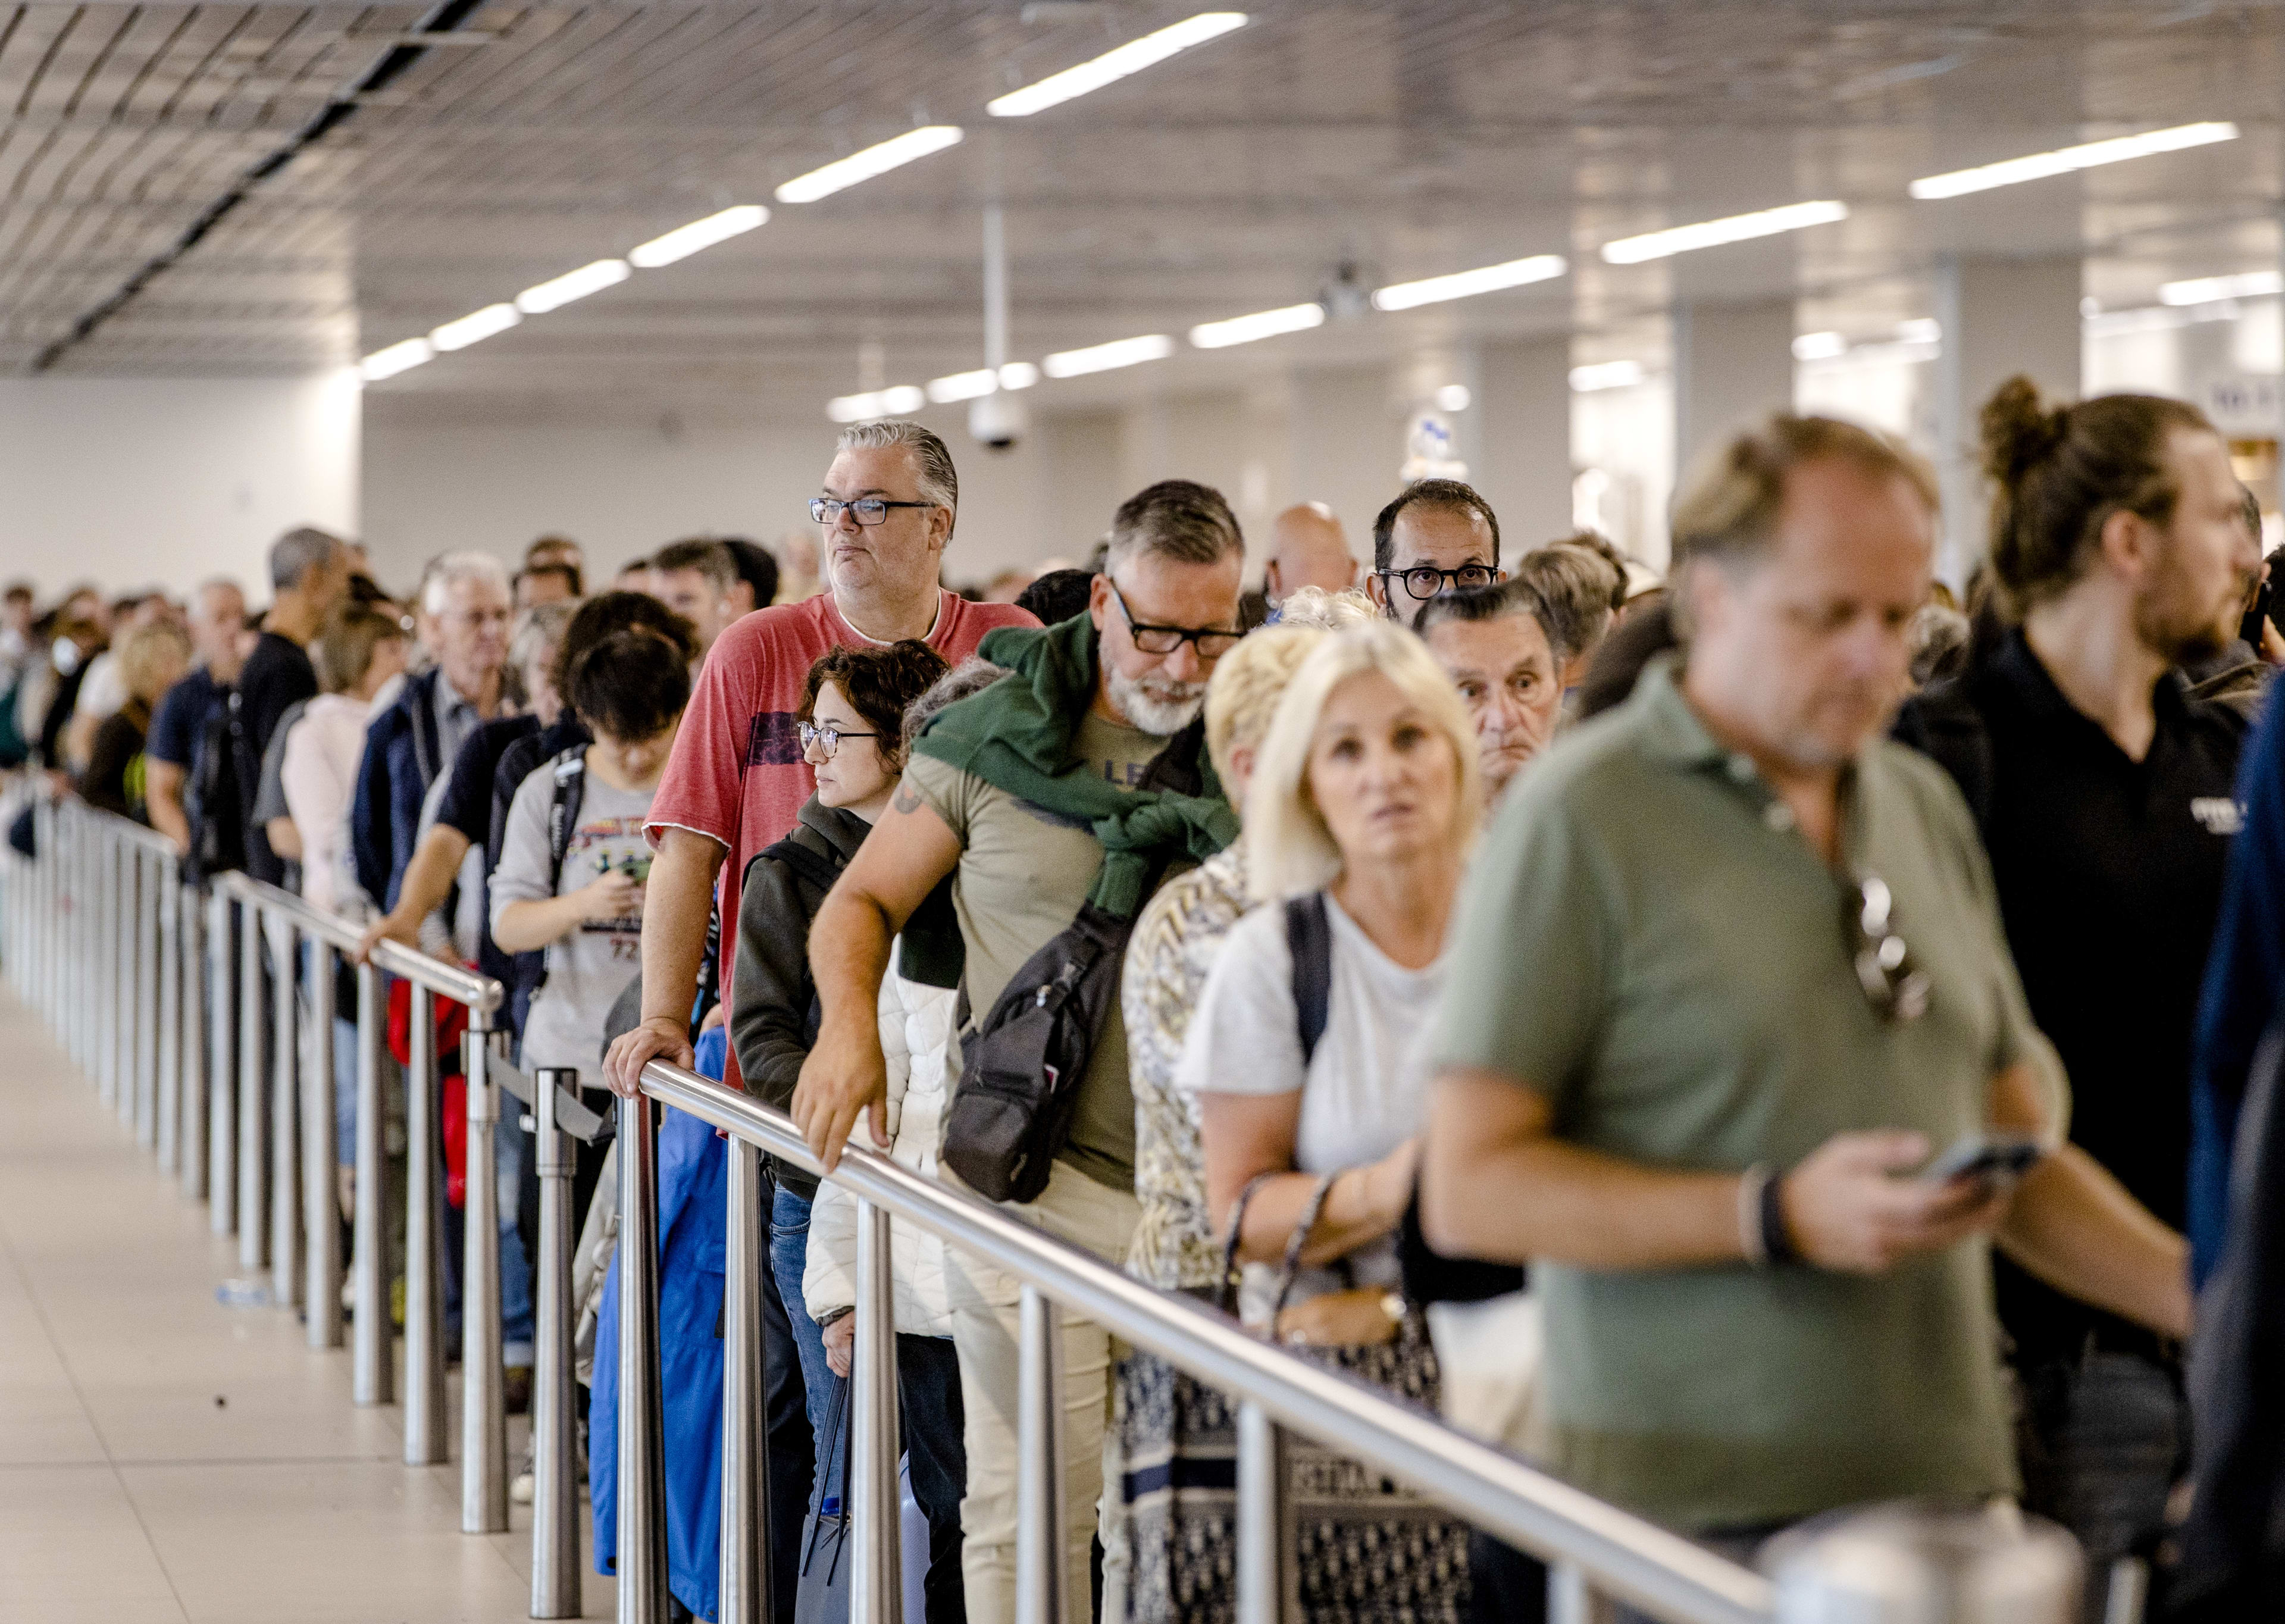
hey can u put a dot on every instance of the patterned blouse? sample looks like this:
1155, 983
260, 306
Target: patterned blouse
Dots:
1173, 948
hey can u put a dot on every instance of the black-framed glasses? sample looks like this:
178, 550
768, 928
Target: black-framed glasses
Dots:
869, 510
1211, 644
1896, 989
1426, 581
826, 739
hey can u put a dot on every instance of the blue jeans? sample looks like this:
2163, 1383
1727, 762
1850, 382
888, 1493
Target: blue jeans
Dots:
788, 1261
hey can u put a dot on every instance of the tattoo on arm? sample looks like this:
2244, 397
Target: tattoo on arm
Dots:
907, 800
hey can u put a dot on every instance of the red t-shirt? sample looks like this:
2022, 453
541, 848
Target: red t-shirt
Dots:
736, 775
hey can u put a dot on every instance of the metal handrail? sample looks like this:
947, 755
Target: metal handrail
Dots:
462, 986
1620, 1554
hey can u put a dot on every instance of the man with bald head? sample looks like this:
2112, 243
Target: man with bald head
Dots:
219, 638
1307, 548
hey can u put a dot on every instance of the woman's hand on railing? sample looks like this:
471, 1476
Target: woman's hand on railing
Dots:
388, 927
660, 1037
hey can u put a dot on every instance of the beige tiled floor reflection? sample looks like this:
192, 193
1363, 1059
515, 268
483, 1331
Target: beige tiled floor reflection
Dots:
165, 1458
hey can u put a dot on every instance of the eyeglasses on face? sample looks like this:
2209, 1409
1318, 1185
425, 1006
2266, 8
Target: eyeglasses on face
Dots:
1896, 989
1426, 581
869, 510
1211, 642
826, 740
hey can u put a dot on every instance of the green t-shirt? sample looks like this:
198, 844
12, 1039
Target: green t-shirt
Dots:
1023, 872
1646, 939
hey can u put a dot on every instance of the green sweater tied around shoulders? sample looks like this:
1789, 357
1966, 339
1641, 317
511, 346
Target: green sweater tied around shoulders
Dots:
1017, 735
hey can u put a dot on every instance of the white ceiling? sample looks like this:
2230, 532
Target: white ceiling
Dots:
1407, 139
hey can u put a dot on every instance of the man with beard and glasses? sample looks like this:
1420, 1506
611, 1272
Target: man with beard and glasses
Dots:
2106, 798
1060, 784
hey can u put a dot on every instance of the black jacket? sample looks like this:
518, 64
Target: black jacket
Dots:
774, 1010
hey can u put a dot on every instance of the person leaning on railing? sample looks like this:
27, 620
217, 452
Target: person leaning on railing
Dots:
1728, 974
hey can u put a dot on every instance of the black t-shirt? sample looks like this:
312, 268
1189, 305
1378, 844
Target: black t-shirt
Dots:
467, 803
181, 718
2109, 875
278, 676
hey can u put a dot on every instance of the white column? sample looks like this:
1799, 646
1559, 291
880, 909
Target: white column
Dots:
1348, 445
1733, 366
2000, 316
1522, 439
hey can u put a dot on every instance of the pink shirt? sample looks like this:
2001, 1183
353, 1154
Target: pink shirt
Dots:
737, 775
319, 772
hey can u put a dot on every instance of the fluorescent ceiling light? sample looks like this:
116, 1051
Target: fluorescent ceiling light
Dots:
1921, 330
844, 172
963, 386
1819, 346
2063, 160
476, 325
1714, 233
1606, 375
894, 401
1103, 358
589, 279
684, 240
1261, 323
1461, 283
1018, 375
395, 358
1132, 57
1453, 397
2205, 290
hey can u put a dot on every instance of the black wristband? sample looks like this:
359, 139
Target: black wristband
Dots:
1777, 1240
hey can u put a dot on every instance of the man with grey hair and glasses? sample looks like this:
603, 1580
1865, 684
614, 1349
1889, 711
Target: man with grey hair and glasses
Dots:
736, 782
1073, 784
1734, 1054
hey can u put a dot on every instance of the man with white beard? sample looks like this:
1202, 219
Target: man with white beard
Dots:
1070, 780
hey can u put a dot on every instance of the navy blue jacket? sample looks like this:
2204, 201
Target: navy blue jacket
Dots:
403, 756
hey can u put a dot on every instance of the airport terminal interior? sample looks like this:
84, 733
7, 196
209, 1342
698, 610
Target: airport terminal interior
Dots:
1506, 768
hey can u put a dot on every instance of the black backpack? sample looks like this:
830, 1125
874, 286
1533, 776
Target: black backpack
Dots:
570, 770
211, 805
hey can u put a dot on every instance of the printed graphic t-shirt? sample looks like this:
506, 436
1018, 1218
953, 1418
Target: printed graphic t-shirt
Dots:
588, 968
736, 775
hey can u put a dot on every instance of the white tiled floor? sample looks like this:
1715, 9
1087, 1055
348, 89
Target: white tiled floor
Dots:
165, 1458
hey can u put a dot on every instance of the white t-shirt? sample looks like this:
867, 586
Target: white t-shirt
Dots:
1365, 1092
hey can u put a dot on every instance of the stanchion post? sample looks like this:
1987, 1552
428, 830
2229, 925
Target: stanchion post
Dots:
191, 1129
253, 1093
642, 1461
1260, 1551
1039, 1457
110, 954
745, 1452
373, 1346
876, 1587
424, 1286
222, 1068
144, 864
321, 1220
168, 903
554, 1482
284, 1116
483, 1415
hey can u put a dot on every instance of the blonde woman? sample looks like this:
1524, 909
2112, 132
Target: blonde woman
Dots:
1308, 1059
150, 662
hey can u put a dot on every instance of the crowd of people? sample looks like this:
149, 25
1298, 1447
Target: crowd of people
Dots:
1810, 1023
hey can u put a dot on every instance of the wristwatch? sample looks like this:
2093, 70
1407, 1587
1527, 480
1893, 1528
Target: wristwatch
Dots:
832, 1315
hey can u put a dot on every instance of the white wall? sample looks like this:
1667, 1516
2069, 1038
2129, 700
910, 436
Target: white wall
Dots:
132, 482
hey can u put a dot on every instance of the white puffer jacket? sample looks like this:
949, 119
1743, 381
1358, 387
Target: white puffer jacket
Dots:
916, 1041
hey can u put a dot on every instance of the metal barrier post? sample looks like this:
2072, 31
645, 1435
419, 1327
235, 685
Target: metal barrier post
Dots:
642, 1461
253, 1216
222, 1068
169, 1125
369, 1377
123, 990
1260, 1548
424, 1287
284, 1145
1040, 1533
483, 1415
321, 1220
111, 948
554, 1483
1572, 1598
144, 867
875, 1587
745, 1587
191, 1049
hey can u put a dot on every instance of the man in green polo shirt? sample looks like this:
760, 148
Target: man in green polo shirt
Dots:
1728, 976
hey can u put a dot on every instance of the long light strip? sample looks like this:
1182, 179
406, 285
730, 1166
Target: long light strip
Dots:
963, 386
894, 401
1104, 357
1132, 57
554, 293
2205, 290
879, 160
475, 327
2063, 160
1462, 284
1714, 233
686, 241
401, 358
1260, 324
1606, 375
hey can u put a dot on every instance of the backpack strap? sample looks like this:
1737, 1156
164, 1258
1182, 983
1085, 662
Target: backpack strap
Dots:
812, 866
1309, 937
570, 770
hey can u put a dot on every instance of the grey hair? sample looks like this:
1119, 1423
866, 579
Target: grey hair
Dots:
1495, 602
1178, 519
449, 570
539, 632
932, 471
1323, 611
972, 675
299, 551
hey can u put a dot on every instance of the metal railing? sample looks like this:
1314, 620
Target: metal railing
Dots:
134, 971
